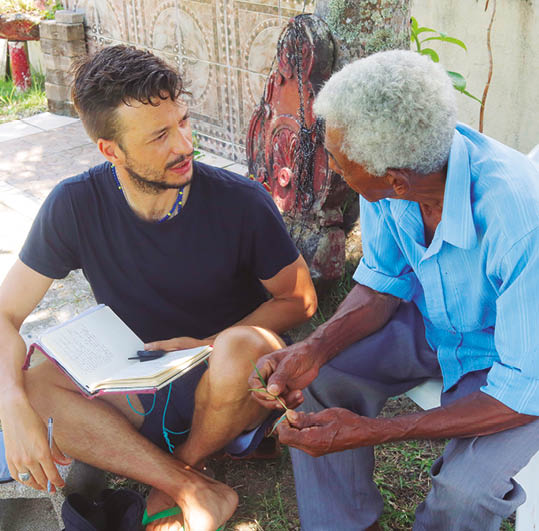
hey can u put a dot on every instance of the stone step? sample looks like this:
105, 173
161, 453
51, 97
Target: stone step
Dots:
25, 509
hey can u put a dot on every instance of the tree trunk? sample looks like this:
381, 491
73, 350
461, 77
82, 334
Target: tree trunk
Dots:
363, 27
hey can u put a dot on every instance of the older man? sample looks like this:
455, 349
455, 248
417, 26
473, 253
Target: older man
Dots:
447, 286
178, 250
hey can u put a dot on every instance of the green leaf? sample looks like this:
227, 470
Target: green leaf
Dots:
260, 390
281, 418
259, 375
458, 80
266, 392
413, 38
466, 93
445, 38
413, 24
431, 53
281, 402
424, 29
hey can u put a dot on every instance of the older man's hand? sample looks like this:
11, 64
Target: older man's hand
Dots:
325, 432
285, 372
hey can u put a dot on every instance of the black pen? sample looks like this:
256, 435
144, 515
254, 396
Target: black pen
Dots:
147, 355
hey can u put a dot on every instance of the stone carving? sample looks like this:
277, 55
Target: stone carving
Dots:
105, 23
260, 50
285, 147
177, 33
220, 46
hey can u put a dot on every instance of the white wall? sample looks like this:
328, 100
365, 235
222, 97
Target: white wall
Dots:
35, 56
512, 108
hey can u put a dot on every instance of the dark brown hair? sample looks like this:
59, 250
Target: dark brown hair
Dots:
116, 75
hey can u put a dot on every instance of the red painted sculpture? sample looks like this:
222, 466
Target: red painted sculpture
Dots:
18, 28
285, 146
20, 66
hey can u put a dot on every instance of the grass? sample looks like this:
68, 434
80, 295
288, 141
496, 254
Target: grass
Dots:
267, 494
15, 105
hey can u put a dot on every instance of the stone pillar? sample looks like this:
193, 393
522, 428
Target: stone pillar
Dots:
62, 42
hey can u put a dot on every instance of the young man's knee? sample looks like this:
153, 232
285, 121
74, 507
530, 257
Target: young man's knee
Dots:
41, 380
46, 375
235, 352
239, 346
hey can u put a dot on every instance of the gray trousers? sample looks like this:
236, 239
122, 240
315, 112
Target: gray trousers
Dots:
472, 482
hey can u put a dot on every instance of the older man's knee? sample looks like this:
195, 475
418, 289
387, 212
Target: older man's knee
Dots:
463, 493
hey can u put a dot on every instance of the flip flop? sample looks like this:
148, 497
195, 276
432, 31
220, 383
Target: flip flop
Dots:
164, 514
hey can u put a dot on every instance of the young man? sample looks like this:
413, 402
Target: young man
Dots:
449, 220
178, 250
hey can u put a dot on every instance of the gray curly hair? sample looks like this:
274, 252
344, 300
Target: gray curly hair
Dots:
396, 109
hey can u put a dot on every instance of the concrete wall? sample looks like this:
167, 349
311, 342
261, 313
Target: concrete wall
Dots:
512, 108
35, 56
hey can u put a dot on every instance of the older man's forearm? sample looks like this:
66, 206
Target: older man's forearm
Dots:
474, 415
363, 312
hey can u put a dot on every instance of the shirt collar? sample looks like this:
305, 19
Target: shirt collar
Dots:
457, 220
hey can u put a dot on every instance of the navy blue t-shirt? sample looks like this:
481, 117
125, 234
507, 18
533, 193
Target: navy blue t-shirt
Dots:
193, 275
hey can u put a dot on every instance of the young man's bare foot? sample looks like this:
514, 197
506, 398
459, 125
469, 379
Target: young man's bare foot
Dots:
156, 502
206, 504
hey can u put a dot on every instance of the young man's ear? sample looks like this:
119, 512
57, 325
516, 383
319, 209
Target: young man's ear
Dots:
110, 150
399, 180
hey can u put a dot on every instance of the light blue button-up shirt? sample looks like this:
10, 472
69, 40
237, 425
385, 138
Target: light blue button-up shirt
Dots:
477, 283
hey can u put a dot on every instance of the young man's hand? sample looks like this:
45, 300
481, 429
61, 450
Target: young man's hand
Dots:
176, 343
285, 372
27, 450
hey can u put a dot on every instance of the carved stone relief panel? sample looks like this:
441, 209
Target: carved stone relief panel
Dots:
106, 21
223, 48
254, 28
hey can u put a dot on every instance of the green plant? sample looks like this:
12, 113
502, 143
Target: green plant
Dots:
197, 155
51, 10
264, 390
8, 98
15, 104
29, 7
459, 82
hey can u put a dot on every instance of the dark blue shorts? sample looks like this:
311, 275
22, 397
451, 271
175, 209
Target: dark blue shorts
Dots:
179, 414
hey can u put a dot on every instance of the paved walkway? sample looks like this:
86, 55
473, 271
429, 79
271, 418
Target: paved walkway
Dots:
35, 154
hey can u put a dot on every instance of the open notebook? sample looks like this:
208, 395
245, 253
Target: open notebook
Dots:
93, 350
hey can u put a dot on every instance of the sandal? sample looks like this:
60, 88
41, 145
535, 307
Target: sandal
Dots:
146, 519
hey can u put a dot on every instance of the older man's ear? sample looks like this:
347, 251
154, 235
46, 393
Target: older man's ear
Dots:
400, 181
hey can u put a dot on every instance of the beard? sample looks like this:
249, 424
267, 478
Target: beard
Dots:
151, 181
